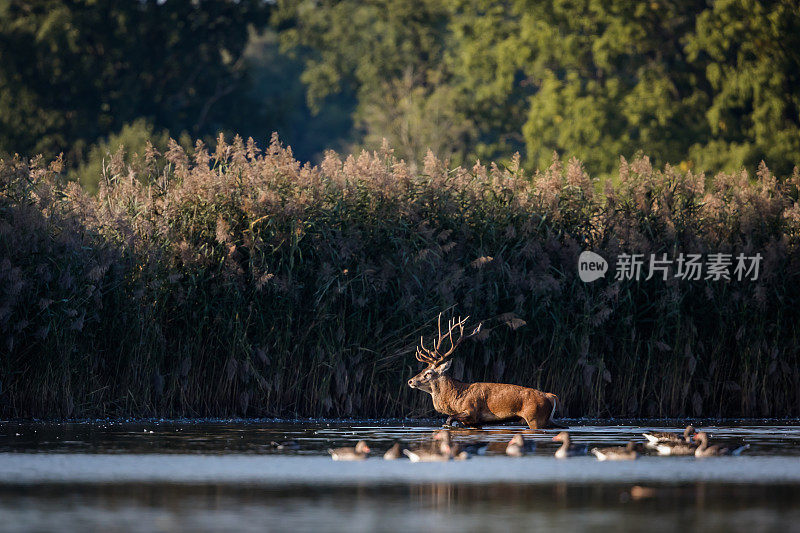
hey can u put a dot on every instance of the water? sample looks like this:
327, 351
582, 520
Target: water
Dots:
211, 476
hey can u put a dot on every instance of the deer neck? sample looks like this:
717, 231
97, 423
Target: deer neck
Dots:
445, 391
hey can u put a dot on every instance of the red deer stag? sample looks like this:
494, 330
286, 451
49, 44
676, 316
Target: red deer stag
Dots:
473, 404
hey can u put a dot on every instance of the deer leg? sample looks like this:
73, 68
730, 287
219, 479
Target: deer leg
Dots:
534, 422
466, 419
454, 421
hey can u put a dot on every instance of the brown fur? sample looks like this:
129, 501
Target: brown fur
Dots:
474, 404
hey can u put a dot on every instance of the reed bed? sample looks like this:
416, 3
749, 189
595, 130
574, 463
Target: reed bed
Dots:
244, 283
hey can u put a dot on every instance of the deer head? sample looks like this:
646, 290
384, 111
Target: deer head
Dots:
438, 358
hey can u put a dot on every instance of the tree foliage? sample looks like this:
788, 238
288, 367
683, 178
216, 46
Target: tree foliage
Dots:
75, 71
704, 85
710, 85
391, 56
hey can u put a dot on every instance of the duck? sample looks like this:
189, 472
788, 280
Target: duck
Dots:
421, 455
287, 445
616, 453
478, 448
657, 437
517, 447
444, 452
487, 447
675, 448
395, 452
459, 454
359, 453
715, 450
456, 451
567, 449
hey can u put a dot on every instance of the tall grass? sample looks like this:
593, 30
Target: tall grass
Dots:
245, 283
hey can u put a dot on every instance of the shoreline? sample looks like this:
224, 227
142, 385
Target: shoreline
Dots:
434, 421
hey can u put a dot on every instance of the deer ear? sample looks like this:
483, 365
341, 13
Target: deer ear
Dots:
441, 369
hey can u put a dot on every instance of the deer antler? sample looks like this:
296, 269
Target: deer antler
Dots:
424, 355
435, 356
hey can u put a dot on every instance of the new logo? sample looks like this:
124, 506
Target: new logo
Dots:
591, 266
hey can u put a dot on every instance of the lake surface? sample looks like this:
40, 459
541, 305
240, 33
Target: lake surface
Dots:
226, 475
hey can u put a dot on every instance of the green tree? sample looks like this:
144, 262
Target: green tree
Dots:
750, 51
712, 85
132, 139
391, 56
276, 102
73, 71
593, 79
415, 117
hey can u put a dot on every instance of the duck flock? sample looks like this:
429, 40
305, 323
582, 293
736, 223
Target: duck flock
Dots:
442, 448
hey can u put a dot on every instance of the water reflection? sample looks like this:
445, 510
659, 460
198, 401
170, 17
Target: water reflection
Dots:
424, 507
211, 476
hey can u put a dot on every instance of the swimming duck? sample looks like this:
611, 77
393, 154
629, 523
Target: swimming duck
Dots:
486, 447
395, 452
479, 448
456, 451
657, 437
459, 453
715, 450
421, 455
567, 449
517, 447
616, 453
444, 451
675, 448
359, 453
